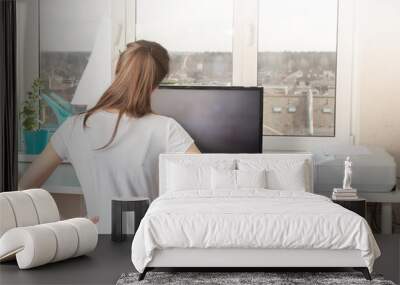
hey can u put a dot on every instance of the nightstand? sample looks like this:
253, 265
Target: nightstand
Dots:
138, 205
358, 206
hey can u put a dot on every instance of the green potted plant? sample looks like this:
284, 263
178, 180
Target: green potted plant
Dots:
35, 138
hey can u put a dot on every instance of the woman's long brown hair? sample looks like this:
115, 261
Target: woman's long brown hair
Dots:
140, 69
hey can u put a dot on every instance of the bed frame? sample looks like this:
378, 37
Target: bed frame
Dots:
241, 259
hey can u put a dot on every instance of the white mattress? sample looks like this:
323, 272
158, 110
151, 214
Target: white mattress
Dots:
256, 218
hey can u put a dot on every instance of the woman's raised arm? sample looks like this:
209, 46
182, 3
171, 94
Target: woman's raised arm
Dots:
41, 168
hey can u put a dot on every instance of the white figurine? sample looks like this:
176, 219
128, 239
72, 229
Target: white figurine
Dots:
347, 174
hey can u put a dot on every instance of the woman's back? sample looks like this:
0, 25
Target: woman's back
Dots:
115, 154
128, 166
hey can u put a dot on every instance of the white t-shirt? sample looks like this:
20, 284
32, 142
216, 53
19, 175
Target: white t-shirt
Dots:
128, 167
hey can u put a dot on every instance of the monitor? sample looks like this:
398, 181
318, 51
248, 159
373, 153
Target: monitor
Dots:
219, 119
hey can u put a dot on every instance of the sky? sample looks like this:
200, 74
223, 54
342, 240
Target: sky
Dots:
192, 25
306, 25
70, 25
186, 25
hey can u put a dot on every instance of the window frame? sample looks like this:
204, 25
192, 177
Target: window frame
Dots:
244, 73
27, 60
343, 133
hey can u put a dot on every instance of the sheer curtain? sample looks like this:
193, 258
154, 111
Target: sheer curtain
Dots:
8, 97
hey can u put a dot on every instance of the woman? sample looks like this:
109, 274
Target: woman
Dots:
114, 146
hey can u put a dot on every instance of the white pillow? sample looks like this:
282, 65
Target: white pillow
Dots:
226, 179
193, 173
223, 179
183, 177
282, 174
251, 178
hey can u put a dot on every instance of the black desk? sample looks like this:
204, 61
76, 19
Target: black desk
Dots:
102, 266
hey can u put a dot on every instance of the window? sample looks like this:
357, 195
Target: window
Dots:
297, 66
68, 32
301, 52
294, 56
57, 39
197, 34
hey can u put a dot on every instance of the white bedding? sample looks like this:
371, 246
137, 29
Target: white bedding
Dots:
253, 218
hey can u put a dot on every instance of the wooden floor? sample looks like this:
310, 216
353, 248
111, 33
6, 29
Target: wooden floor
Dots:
110, 260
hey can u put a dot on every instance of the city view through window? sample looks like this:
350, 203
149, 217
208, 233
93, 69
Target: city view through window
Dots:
299, 92
297, 66
299, 87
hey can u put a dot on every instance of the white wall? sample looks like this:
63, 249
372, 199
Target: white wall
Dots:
377, 75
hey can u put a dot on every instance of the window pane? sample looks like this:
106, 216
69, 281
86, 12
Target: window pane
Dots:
68, 32
297, 66
197, 35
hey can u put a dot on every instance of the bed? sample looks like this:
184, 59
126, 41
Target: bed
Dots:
247, 210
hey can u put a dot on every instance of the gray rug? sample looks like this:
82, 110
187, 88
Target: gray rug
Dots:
233, 278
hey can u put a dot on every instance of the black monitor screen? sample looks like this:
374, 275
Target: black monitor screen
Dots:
219, 119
